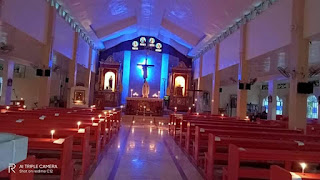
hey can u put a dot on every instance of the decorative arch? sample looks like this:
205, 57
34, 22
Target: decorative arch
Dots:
312, 107
109, 81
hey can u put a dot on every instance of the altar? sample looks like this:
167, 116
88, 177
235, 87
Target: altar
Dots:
147, 106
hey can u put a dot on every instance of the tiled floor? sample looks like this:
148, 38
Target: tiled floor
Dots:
144, 152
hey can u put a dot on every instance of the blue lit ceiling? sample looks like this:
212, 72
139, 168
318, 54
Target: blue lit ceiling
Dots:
187, 25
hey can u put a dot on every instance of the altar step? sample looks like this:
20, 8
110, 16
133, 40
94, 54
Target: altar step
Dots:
145, 119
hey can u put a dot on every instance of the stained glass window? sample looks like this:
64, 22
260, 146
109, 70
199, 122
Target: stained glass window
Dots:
312, 107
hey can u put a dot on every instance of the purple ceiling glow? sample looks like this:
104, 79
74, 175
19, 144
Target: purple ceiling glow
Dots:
186, 25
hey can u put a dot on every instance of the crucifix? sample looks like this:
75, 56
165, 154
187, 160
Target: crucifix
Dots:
145, 67
194, 90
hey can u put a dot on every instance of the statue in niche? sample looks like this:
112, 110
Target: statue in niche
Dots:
110, 83
145, 89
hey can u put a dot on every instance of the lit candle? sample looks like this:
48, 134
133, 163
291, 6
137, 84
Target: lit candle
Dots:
197, 114
222, 115
131, 92
114, 109
21, 99
24, 107
92, 119
7, 107
303, 166
196, 100
189, 108
78, 123
151, 122
158, 94
99, 116
133, 122
121, 106
18, 103
52, 132
105, 113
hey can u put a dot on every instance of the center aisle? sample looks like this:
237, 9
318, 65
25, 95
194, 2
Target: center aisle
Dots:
144, 152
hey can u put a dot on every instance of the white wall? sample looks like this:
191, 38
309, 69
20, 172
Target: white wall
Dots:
312, 16
63, 37
208, 62
25, 88
196, 66
270, 30
28, 16
83, 53
229, 51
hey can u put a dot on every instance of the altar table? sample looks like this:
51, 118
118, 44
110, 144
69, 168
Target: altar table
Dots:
147, 106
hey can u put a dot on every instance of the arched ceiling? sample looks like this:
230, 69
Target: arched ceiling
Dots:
187, 25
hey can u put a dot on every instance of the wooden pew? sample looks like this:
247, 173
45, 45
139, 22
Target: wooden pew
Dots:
219, 142
238, 154
278, 173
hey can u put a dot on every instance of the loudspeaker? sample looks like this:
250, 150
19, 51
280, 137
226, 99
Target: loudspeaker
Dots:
39, 72
241, 85
248, 86
305, 88
47, 72
220, 89
67, 80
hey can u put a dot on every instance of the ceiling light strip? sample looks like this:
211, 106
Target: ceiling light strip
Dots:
247, 17
71, 21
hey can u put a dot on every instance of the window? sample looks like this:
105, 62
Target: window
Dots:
279, 106
312, 107
265, 104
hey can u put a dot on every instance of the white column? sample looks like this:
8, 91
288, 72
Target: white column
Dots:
199, 101
73, 68
299, 62
242, 75
272, 106
72, 74
87, 82
45, 82
8, 68
216, 84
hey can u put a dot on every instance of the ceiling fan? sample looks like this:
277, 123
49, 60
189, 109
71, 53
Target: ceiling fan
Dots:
5, 48
313, 71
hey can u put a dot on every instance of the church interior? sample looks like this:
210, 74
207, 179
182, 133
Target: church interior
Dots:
159, 89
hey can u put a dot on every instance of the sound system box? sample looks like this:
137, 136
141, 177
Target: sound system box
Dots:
241, 85
305, 88
39, 72
47, 72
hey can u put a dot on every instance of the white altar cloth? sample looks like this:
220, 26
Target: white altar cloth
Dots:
13, 149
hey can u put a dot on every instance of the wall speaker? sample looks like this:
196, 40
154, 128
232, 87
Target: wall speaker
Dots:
47, 72
39, 72
248, 86
305, 88
67, 80
241, 85
220, 89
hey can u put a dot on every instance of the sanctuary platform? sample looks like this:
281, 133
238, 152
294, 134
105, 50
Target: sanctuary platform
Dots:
147, 106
